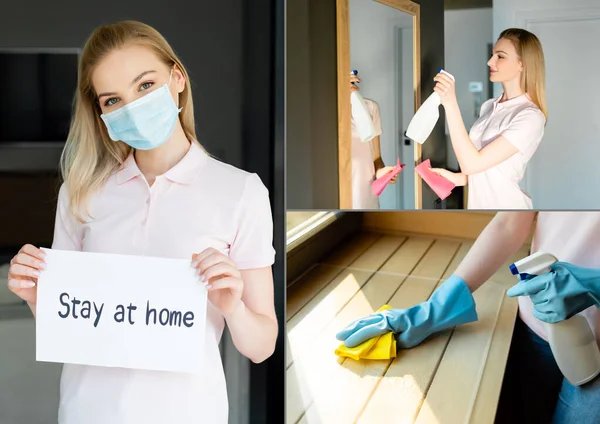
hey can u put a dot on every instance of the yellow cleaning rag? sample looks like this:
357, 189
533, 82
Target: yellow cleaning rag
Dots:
380, 347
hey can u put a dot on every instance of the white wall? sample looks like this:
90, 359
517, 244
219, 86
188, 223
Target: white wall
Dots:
504, 15
467, 33
373, 54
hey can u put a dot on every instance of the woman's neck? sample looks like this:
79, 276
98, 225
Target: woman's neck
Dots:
157, 161
512, 89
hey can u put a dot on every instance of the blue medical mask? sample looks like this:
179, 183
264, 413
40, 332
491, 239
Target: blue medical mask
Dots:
145, 123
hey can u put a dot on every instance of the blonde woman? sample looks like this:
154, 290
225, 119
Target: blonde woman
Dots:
137, 182
367, 163
493, 156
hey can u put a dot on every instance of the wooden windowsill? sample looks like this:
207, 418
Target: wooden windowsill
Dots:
320, 243
454, 376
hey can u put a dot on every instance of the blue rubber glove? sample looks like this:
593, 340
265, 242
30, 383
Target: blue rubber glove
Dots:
561, 293
450, 304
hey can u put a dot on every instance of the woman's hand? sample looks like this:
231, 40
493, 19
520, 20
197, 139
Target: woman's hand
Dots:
561, 293
24, 270
353, 79
382, 171
450, 304
222, 278
457, 178
446, 89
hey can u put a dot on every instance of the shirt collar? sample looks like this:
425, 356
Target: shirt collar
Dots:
129, 170
184, 172
515, 101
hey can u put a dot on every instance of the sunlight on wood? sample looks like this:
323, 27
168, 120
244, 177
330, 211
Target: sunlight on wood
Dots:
453, 392
302, 332
410, 394
431, 417
440, 380
303, 327
406, 381
296, 218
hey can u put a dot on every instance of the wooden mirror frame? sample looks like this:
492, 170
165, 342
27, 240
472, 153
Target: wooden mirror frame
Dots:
344, 113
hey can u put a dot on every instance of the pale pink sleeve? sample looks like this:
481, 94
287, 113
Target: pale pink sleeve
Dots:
68, 232
526, 129
253, 243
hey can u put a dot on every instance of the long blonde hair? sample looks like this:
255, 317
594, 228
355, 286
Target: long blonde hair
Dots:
90, 157
533, 77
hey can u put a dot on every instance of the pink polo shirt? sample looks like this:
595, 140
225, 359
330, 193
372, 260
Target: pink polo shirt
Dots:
363, 163
521, 122
571, 237
199, 203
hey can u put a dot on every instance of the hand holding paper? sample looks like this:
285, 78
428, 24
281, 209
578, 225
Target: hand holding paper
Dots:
222, 279
129, 312
23, 273
440, 185
380, 183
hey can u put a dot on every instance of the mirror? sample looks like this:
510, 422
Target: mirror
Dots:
380, 40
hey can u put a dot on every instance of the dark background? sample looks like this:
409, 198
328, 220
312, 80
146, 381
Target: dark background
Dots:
234, 54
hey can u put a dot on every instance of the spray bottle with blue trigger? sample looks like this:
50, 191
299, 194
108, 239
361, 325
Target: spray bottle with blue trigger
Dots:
361, 116
572, 341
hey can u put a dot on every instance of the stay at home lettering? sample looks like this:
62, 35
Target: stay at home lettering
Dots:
85, 309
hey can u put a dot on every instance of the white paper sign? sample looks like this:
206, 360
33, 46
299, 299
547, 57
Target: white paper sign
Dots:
120, 311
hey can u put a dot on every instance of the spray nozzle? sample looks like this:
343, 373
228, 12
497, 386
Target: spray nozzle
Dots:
536, 264
447, 73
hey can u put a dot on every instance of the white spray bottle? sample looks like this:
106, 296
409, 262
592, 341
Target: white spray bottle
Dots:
572, 341
422, 123
361, 116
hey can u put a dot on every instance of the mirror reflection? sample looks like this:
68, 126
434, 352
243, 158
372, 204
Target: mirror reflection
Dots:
382, 99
